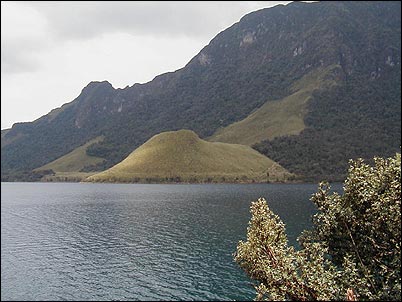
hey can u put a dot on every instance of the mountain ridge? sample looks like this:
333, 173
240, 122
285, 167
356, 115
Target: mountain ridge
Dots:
254, 61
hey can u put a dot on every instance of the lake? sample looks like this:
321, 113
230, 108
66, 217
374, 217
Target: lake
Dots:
76, 241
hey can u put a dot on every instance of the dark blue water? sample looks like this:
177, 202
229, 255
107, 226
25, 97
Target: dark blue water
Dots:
62, 241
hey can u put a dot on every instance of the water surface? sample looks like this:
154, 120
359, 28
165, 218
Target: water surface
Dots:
73, 241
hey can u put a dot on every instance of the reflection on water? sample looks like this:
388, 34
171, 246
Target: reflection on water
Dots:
133, 241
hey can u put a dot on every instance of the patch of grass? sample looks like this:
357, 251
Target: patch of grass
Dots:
280, 117
75, 160
181, 156
67, 176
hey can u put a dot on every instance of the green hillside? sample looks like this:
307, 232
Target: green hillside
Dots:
278, 118
74, 161
181, 156
71, 165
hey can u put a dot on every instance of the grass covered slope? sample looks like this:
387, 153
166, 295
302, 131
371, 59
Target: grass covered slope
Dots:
74, 161
70, 166
181, 156
281, 117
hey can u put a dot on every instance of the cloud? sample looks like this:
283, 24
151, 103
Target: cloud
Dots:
14, 61
21, 37
83, 20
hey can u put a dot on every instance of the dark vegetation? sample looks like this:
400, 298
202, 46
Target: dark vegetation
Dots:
25, 175
353, 251
362, 118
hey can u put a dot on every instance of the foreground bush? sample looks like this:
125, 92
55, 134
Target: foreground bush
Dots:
352, 253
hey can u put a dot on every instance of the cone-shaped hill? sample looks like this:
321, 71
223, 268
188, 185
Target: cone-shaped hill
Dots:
181, 156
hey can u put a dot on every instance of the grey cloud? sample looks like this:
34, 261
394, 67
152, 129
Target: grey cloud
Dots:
82, 20
18, 55
23, 36
12, 63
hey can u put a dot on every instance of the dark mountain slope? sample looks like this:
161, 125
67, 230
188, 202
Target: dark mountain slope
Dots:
254, 61
361, 117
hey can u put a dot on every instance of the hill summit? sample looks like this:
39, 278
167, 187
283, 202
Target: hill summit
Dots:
181, 156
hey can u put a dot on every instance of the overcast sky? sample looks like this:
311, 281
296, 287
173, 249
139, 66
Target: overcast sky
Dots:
51, 50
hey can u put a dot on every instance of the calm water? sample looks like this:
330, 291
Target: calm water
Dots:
134, 242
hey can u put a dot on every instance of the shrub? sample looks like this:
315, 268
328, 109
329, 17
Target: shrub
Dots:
352, 253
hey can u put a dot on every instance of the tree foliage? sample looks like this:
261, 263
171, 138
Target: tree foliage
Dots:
352, 253
360, 118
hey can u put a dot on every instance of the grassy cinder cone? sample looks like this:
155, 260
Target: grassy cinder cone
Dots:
181, 156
